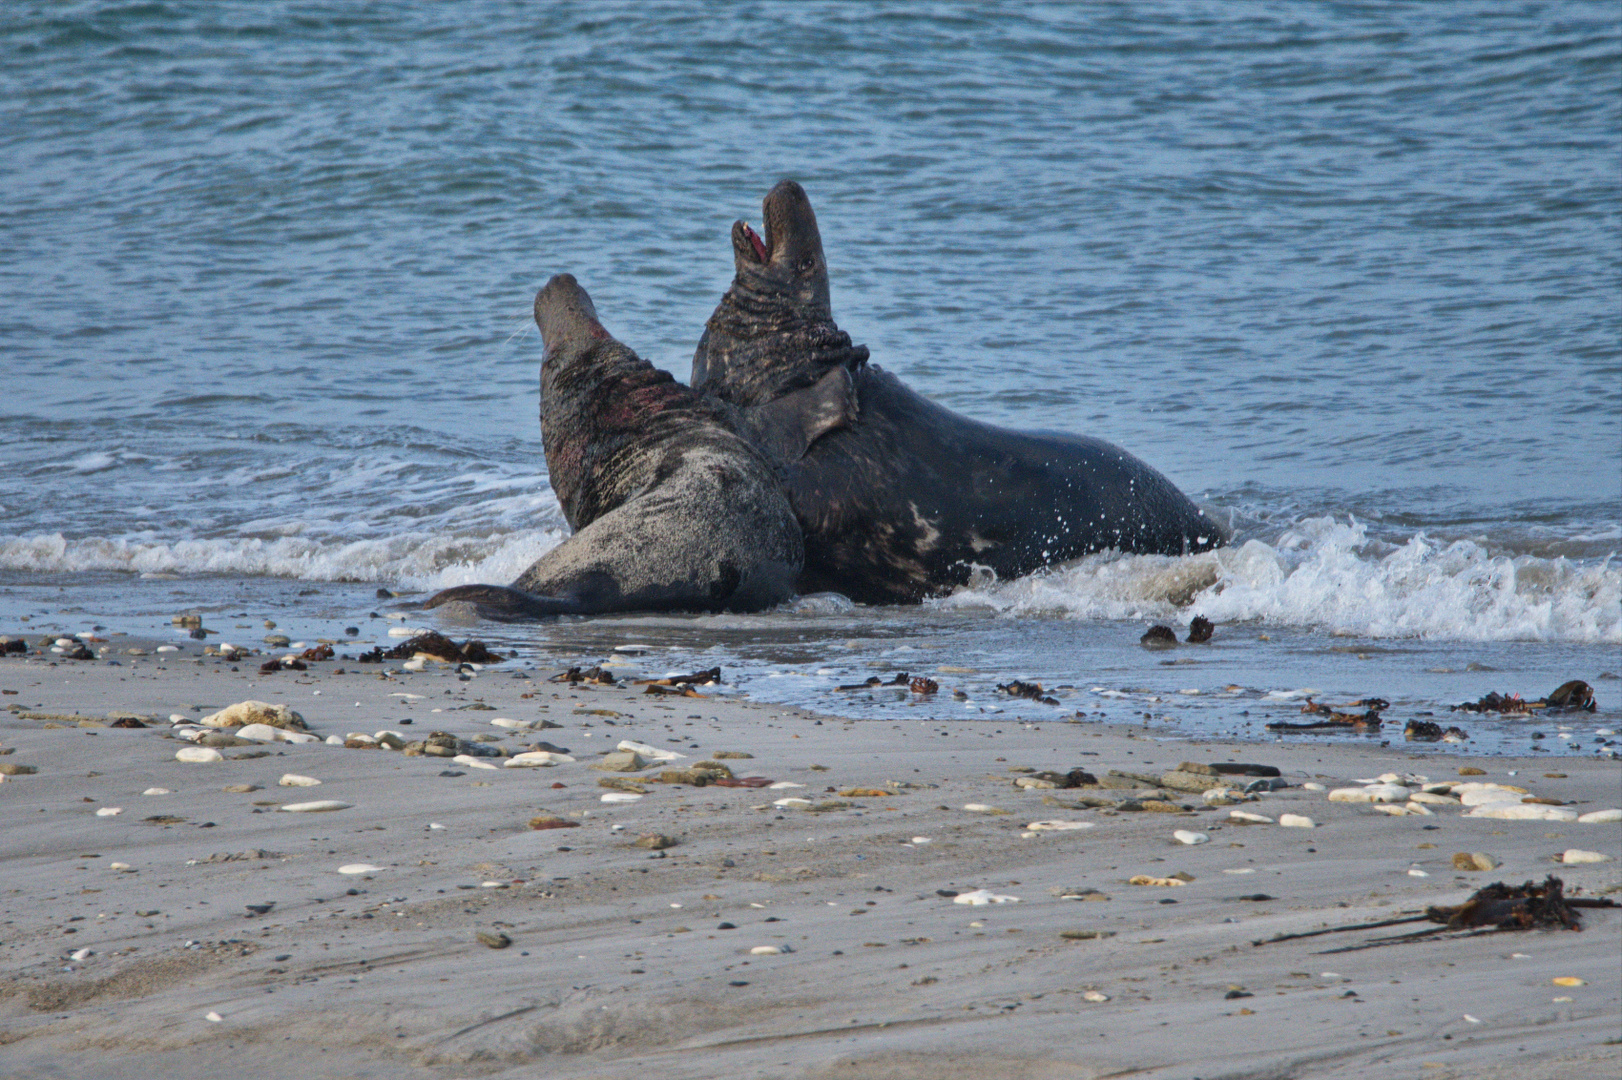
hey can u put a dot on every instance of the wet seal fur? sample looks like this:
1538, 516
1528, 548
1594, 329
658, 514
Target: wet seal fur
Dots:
900, 499
672, 509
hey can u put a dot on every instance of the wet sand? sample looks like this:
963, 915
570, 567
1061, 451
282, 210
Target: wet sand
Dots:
630, 962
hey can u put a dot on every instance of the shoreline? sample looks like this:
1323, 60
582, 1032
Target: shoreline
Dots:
879, 973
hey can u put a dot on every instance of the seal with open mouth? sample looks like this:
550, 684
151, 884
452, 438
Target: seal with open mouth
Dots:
907, 499
673, 510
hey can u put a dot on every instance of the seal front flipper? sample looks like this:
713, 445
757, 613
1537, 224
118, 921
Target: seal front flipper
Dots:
784, 429
505, 604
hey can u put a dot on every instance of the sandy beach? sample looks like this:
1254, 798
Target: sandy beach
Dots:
206, 932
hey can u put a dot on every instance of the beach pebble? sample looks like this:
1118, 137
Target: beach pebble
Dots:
118, 866
1474, 861
213, 1017
1431, 798
110, 811
1189, 837
783, 785
791, 803
920, 840
512, 725
981, 897
1418, 809
198, 754
1600, 816
1507, 811
1568, 980
1156, 882
650, 753
620, 797
1417, 872
1222, 796
316, 807
335, 740
536, 759
1249, 818
244, 713
473, 762
1058, 826
1483, 794
1571, 856
405, 631
78, 955
982, 808
1296, 821
295, 780
1095, 996
620, 761
358, 868
494, 940
765, 950
1351, 795
1386, 792
1313, 786
157, 791
1392, 809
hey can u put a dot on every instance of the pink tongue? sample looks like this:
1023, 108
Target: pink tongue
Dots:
760, 248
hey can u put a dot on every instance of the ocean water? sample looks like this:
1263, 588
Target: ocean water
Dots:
1350, 275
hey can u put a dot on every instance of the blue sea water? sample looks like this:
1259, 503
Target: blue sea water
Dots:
1351, 275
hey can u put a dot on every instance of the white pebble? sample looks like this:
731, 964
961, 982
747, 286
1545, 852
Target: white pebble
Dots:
512, 725
404, 631
81, 954
198, 754
1351, 795
1391, 808
472, 762
416, 663
435, 825
1095, 996
653, 753
179, 718
317, 807
783, 785
110, 811
979, 808
1576, 856
1433, 798
1240, 870
1296, 821
534, 759
168, 648
620, 796
1600, 816
1417, 872
981, 897
1189, 837
118, 866
791, 802
1246, 815
1312, 786
295, 780
920, 840
358, 868
1058, 826
214, 1018
335, 740
765, 950
1506, 811
157, 791
1387, 793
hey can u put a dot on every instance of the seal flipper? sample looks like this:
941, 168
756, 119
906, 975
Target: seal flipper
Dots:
504, 604
785, 428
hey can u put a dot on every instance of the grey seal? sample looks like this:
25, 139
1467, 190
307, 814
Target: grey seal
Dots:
672, 509
904, 499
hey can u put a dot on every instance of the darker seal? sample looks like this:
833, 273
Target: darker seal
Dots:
673, 510
907, 499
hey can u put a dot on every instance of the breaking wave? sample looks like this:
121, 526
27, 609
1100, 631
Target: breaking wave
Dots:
1329, 574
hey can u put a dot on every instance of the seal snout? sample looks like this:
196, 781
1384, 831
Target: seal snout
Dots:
566, 315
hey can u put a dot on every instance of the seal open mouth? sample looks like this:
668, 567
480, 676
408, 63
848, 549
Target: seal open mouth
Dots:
759, 244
